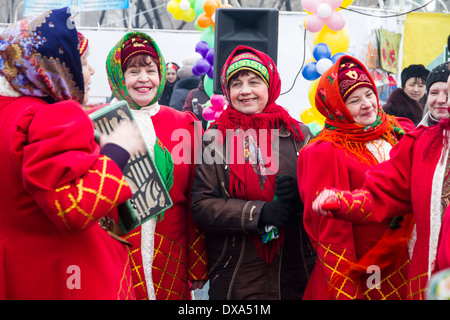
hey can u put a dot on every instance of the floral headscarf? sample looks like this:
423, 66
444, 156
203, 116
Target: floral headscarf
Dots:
115, 73
39, 57
340, 127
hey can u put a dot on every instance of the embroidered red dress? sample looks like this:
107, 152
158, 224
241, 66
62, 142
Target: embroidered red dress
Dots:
340, 157
179, 244
52, 192
413, 180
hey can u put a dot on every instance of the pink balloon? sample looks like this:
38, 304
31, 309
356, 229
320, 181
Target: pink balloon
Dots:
310, 5
217, 115
335, 21
217, 101
209, 114
334, 4
314, 23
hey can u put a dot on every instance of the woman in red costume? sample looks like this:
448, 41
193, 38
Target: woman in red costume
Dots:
168, 255
56, 181
357, 136
415, 180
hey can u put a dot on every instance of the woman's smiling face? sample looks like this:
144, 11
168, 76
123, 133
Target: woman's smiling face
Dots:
248, 92
362, 105
142, 80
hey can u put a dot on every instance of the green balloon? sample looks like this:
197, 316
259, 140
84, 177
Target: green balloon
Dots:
208, 36
198, 7
208, 84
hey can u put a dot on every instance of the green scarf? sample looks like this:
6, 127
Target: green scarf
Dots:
162, 157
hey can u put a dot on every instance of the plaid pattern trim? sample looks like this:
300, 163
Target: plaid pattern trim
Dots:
393, 286
198, 257
80, 204
417, 287
170, 270
356, 206
171, 267
126, 291
332, 260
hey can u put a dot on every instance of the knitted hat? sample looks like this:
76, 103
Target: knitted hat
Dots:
82, 43
438, 74
185, 71
172, 65
136, 46
414, 71
350, 78
248, 61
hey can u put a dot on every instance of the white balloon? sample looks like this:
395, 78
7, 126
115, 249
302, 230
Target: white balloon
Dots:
184, 5
324, 10
323, 65
213, 17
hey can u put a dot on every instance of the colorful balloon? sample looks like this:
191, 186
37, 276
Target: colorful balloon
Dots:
323, 12
338, 41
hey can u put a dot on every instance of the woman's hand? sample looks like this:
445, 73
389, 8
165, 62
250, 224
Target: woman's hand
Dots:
326, 202
126, 135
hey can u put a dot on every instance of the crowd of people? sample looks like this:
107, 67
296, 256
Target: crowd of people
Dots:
261, 208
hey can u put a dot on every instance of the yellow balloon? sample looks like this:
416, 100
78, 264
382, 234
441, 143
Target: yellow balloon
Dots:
338, 41
345, 4
312, 92
306, 116
189, 15
172, 6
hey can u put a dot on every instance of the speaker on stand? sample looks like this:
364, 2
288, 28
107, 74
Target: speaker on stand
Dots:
253, 27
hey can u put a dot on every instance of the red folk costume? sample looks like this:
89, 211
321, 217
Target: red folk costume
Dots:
55, 183
339, 157
415, 179
169, 254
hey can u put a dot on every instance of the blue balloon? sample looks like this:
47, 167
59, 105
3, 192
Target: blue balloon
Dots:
309, 71
321, 50
337, 56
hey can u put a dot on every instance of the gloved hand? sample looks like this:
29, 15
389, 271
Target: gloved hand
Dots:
326, 202
273, 213
286, 190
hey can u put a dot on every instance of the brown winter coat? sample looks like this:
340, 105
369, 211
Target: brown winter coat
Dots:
235, 270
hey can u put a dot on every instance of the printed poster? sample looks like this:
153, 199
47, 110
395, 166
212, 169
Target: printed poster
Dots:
389, 46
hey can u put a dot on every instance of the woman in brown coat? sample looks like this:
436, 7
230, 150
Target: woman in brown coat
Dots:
244, 192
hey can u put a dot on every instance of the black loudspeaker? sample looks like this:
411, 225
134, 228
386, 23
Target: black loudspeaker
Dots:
256, 28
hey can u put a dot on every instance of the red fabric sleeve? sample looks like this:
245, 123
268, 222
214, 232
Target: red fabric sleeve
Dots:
321, 165
63, 171
387, 190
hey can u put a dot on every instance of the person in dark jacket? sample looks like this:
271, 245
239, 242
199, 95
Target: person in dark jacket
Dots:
406, 101
172, 79
250, 207
186, 83
196, 100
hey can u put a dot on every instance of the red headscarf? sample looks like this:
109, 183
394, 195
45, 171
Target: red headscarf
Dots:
246, 182
340, 127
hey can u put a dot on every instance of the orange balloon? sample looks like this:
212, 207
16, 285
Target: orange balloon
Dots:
203, 20
210, 6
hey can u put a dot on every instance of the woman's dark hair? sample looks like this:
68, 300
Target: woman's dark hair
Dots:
141, 60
